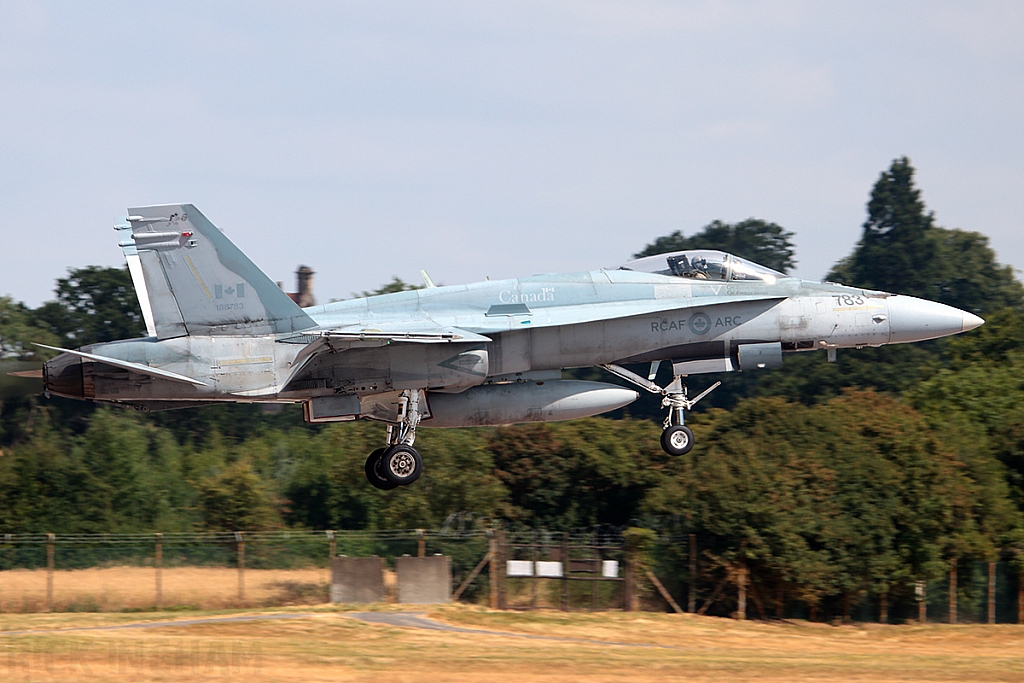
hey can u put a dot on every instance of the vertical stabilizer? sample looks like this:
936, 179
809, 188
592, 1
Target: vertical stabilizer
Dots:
131, 255
195, 281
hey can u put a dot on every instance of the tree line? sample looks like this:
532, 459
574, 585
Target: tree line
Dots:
824, 481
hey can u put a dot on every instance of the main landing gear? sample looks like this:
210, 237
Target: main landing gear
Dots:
676, 438
398, 464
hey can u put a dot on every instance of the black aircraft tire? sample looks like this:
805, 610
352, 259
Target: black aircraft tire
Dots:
373, 471
677, 440
401, 465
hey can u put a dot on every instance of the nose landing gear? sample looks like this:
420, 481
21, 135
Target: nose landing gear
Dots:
676, 438
398, 464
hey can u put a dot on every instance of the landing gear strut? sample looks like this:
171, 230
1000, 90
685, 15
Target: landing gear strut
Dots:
398, 464
676, 438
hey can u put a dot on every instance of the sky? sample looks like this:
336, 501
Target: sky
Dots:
478, 139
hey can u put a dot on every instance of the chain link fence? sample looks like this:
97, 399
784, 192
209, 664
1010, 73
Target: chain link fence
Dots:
673, 571
119, 572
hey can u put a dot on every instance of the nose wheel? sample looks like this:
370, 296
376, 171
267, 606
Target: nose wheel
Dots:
676, 438
398, 464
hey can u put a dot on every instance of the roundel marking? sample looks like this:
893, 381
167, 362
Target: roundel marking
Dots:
700, 323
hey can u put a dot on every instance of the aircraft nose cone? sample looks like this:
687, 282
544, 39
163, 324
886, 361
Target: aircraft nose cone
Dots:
971, 321
912, 319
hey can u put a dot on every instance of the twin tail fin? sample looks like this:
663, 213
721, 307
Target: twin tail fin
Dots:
191, 280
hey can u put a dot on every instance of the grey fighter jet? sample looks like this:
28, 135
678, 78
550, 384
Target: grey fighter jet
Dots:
487, 353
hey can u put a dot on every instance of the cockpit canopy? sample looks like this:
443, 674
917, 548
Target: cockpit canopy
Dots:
704, 264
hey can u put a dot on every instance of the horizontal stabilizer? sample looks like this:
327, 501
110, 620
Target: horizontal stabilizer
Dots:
27, 374
128, 365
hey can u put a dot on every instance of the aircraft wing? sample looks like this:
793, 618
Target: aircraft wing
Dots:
422, 331
354, 336
405, 332
362, 336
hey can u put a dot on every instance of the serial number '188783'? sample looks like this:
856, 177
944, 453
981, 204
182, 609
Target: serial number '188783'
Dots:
230, 307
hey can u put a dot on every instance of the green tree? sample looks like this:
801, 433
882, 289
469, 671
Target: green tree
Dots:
756, 491
825, 502
93, 304
982, 391
397, 284
895, 252
759, 241
120, 475
901, 250
134, 479
903, 494
18, 331
578, 473
326, 487
237, 499
40, 481
970, 278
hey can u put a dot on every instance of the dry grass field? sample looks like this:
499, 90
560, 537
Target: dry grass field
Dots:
116, 589
329, 645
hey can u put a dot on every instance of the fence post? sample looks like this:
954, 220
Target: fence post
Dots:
565, 571
691, 605
240, 541
991, 592
1020, 597
627, 592
158, 560
502, 543
534, 555
922, 603
741, 599
332, 545
492, 578
50, 538
883, 607
421, 544
952, 590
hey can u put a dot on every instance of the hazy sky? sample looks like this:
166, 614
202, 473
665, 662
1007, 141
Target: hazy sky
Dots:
479, 139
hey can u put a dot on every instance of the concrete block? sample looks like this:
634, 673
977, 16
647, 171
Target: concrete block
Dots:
424, 580
357, 579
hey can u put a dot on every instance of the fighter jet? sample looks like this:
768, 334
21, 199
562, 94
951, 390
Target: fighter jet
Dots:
487, 353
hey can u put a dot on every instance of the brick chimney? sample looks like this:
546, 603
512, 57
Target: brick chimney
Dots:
304, 297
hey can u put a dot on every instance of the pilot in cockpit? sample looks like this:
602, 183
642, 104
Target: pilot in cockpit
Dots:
680, 266
699, 268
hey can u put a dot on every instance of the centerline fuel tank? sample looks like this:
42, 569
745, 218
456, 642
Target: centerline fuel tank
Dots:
511, 403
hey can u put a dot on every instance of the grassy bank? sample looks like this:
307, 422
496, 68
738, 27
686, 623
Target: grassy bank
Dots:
329, 645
